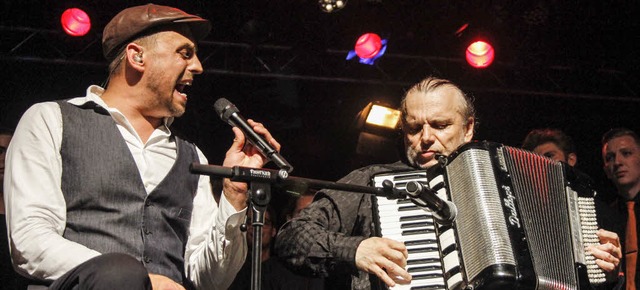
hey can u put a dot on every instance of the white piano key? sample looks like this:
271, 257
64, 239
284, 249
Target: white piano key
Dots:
451, 261
454, 280
447, 238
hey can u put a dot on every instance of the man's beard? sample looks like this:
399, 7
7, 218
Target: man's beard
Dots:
166, 103
412, 156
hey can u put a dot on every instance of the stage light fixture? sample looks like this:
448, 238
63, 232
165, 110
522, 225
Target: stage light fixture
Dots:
378, 118
368, 48
75, 22
377, 127
480, 54
330, 6
383, 117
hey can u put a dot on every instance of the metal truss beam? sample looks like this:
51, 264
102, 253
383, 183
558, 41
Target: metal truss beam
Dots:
24, 44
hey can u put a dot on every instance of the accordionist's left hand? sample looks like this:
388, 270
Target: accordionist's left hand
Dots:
608, 253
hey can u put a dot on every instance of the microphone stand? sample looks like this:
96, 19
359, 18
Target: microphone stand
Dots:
260, 196
260, 182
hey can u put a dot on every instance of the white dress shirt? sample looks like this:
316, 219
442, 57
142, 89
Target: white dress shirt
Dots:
36, 209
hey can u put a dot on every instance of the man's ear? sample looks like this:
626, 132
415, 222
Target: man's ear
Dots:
134, 56
572, 159
469, 128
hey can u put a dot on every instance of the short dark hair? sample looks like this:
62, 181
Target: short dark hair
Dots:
6, 130
619, 132
537, 137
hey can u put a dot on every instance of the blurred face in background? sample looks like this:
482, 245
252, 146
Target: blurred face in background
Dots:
621, 156
4, 144
552, 151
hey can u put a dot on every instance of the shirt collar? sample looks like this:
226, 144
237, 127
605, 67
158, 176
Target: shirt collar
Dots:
93, 95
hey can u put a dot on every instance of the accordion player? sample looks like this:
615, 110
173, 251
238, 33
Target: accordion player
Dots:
523, 222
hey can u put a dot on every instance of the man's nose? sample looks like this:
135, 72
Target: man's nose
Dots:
427, 134
617, 160
195, 66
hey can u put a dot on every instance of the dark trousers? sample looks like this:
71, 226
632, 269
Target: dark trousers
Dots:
108, 272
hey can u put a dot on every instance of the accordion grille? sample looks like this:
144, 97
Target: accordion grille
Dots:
539, 188
480, 221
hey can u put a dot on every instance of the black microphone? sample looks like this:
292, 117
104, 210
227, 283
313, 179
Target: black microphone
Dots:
230, 114
444, 211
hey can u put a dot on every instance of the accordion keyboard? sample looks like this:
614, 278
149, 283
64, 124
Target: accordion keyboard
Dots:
401, 220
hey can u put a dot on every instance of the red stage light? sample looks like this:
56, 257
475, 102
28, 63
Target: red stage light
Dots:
368, 45
75, 22
480, 54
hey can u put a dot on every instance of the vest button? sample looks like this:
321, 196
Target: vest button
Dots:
147, 259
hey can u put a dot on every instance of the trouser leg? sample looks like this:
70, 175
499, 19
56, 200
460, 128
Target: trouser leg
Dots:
108, 272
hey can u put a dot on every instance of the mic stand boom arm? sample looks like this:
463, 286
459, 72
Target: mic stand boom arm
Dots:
281, 177
260, 182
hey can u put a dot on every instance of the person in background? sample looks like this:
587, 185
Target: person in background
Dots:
551, 143
621, 163
9, 278
98, 189
275, 276
299, 202
555, 144
334, 236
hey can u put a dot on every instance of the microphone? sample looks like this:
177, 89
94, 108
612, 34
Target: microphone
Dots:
231, 115
444, 211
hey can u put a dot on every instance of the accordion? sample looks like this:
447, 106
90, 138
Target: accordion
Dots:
523, 222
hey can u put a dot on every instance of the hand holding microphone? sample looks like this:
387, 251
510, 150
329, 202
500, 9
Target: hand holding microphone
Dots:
231, 115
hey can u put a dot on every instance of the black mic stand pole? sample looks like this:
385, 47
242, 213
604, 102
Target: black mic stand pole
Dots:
259, 181
259, 198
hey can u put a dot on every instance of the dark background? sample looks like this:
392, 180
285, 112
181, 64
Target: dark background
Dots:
572, 65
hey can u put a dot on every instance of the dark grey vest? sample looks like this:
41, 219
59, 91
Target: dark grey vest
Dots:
108, 209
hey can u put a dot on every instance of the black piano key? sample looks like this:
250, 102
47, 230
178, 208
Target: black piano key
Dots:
404, 201
429, 287
425, 276
413, 217
420, 242
415, 225
408, 207
422, 269
418, 232
448, 249
450, 273
398, 180
422, 261
422, 250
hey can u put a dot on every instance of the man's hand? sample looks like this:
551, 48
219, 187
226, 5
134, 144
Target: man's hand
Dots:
159, 282
608, 253
244, 154
384, 257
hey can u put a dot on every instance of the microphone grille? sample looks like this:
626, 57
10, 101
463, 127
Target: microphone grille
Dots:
224, 108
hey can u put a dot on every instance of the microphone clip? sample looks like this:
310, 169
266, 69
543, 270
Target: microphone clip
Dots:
444, 211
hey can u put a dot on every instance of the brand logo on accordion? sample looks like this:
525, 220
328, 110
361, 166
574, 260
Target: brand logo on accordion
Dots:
509, 202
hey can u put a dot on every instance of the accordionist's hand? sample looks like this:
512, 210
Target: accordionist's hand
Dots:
385, 258
608, 253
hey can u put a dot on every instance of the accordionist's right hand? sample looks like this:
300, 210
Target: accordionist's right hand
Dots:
385, 258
